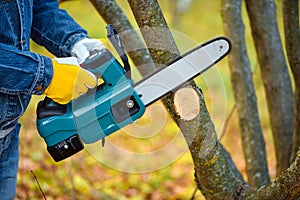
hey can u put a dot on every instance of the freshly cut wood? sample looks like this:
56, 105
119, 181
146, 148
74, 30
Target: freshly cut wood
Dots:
187, 103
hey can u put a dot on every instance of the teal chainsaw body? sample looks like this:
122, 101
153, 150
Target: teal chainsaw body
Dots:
94, 115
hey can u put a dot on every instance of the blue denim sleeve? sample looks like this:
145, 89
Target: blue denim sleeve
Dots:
23, 72
54, 29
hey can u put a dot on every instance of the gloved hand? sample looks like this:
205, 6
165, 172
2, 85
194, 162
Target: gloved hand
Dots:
69, 80
82, 49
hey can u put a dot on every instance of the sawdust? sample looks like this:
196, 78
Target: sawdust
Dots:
186, 103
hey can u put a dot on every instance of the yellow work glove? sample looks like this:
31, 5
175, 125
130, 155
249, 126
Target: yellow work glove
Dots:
69, 80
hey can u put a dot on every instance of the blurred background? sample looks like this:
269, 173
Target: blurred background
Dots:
167, 170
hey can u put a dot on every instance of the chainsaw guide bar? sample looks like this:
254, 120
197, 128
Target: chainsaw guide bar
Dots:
181, 70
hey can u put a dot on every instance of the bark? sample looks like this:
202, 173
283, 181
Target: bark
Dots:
285, 187
155, 31
245, 97
136, 49
276, 80
215, 173
292, 41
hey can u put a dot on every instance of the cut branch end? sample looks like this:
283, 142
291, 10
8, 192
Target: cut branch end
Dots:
187, 103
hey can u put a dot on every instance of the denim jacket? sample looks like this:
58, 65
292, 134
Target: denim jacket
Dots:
23, 73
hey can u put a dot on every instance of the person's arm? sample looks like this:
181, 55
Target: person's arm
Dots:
23, 72
54, 29
31, 73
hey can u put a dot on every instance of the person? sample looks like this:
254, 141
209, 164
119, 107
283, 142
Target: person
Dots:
24, 73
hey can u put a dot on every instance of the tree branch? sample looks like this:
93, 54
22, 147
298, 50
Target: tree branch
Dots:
292, 41
245, 97
275, 77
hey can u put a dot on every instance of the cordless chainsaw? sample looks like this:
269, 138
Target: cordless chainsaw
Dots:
118, 101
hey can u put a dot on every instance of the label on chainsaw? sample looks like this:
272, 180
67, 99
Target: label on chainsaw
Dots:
182, 70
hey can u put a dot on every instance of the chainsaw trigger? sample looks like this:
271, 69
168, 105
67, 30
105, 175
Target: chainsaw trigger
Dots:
103, 141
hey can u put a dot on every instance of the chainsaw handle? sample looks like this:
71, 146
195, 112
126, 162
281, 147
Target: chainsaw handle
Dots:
104, 65
48, 108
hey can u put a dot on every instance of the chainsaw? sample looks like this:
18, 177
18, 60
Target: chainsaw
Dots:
118, 101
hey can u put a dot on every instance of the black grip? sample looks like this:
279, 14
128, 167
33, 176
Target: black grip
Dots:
48, 108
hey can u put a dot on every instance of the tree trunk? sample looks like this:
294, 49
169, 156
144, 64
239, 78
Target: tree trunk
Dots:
292, 41
275, 77
245, 97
